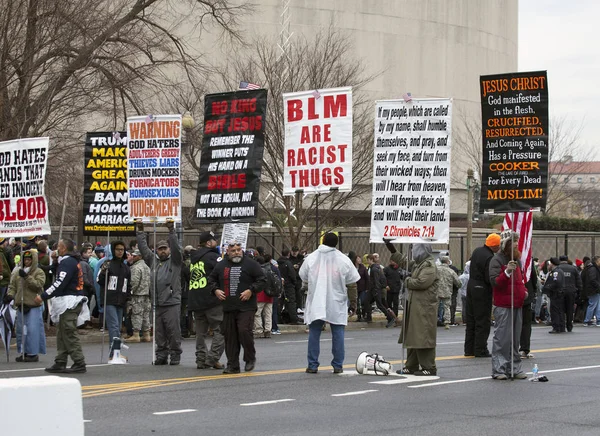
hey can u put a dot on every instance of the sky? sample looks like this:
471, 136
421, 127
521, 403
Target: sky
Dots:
563, 37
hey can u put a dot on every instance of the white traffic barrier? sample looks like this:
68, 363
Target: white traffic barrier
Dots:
48, 406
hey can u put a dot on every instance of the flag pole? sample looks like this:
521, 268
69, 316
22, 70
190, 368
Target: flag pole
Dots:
404, 300
22, 317
512, 299
154, 294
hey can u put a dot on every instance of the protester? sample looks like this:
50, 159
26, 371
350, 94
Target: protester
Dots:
25, 285
88, 273
528, 314
361, 286
207, 308
554, 287
140, 305
331, 278
464, 280
115, 280
236, 281
376, 292
394, 276
448, 282
7, 264
297, 257
69, 308
168, 262
264, 316
572, 290
290, 284
479, 299
509, 292
591, 286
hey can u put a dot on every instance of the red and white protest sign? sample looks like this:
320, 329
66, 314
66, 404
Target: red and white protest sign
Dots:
23, 205
318, 141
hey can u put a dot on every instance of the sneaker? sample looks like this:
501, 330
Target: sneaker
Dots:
500, 377
311, 370
520, 376
338, 370
530, 356
404, 371
57, 368
454, 324
523, 355
425, 372
390, 323
77, 368
275, 332
230, 370
249, 365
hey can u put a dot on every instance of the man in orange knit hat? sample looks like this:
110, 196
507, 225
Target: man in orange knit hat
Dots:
479, 299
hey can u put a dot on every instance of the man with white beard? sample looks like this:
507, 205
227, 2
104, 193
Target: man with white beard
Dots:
235, 281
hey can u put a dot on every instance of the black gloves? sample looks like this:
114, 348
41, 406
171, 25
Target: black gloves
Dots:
389, 245
22, 273
7, 299
170, 224
139, 225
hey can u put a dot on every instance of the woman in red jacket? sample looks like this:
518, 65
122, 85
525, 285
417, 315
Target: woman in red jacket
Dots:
509, 292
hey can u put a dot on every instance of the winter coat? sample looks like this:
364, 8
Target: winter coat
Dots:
261, 297
573, 283
5, 268
233, 279
591, 280
377, 281
288, 273
167, 280
29, 287
68, 277
328, 272
363, 284
555, 283
118, 288
140, 278
464, 279
202, 263
480, 267
448, 281
88, 278
420, 326
505, 286
394, 277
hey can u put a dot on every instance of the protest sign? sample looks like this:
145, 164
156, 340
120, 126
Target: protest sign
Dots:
318, 141
105, 207
23, 205
232, 154
234, 232
411, 171
514, 114
153, 167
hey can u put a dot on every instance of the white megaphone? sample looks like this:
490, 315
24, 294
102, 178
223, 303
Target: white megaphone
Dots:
117, 359
372, 364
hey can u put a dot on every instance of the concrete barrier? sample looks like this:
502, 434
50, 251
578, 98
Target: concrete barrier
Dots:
49, 406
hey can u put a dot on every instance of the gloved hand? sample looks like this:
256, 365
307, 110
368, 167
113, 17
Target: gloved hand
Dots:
22, 273
170, 224
512, 265
139, 225
7, 299
389, 245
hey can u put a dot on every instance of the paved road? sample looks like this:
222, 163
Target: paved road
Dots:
139, 399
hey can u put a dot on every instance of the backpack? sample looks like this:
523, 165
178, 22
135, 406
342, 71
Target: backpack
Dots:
274, 287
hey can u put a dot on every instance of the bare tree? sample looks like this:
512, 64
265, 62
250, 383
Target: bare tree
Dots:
324, 61
71, 66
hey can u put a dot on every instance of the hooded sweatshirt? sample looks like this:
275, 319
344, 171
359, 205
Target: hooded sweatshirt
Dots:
33, 284
202, 263
119, 282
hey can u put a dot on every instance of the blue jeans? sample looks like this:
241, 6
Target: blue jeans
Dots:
593, 308
314, 344
113, 316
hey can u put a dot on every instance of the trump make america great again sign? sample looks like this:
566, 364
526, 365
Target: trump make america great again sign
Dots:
318, 141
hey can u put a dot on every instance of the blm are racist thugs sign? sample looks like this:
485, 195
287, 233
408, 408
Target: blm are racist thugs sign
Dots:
23, 206
232, 153
318, 141
153, 167
105, 205
514, 113
411, 171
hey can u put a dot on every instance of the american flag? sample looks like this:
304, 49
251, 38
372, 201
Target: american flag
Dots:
522, 223
316, 94
149, 119
407, 96
248, 85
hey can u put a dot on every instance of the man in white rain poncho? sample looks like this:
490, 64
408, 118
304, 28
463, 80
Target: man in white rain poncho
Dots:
331, 279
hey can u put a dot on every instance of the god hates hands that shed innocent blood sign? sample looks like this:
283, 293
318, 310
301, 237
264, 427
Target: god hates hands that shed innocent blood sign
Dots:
318, 141
23, 205
153, 167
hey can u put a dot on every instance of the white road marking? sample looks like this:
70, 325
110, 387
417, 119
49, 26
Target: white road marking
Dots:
306, 340
578, 368
41, 369
173, 412
406, 378
87, 420
346, 394
262, 403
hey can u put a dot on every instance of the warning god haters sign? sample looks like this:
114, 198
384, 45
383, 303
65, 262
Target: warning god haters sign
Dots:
411, 171
23, 206
514, 112
232, 154
153, 167
105, 207
318, 141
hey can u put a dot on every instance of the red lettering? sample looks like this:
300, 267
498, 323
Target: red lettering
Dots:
312, 115
219, 107
227, 181
294, 109
214, 126
343, 148
26, 209
335, 106
327, 133
339, 175
331, 154
316, 133
291, 161
305, 135
312, 156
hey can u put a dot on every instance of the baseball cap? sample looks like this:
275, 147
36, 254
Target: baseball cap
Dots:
207, 236
136, 252
162, 244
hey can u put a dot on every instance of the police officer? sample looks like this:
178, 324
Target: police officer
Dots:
554, 288
572, 289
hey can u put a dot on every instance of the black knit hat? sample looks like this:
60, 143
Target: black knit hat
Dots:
330, 239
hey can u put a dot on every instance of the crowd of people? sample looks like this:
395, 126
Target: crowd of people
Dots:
239, 296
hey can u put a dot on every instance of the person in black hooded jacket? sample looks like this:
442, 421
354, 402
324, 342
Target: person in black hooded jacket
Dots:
118, 289
208, 309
